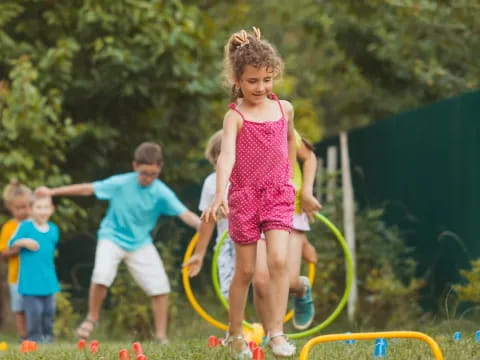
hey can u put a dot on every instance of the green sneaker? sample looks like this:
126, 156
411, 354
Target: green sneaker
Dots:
304, 311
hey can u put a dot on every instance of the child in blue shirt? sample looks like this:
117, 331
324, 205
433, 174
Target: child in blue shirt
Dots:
37, 239
136, 201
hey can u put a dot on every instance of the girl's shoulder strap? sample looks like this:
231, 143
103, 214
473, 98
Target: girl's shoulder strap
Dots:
275, 97
233, 106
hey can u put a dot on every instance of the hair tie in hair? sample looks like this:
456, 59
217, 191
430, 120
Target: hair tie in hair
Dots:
242, 38
232, 106
257, 33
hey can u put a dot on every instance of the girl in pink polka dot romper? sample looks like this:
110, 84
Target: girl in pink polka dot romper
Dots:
258, 148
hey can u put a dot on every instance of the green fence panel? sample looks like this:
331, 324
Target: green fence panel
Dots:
424, 165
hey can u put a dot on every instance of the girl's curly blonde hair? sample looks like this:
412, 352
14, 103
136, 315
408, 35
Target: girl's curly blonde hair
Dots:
248, 48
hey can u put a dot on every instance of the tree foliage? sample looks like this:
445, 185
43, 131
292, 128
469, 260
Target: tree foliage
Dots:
125, 72
358, 62
469, 289
84, 82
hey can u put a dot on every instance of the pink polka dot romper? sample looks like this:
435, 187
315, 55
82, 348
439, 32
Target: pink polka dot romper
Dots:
261, 196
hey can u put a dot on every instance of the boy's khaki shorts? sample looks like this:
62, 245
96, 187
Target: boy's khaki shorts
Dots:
144, 264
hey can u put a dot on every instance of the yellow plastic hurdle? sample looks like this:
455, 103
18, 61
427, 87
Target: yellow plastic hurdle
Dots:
437, 352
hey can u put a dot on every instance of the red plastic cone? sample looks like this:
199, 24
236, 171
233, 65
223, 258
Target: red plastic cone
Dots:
258, 354
137, 348
32, 346
81, 344
28, 346
94, 346
123, 355
24, 346
212, 341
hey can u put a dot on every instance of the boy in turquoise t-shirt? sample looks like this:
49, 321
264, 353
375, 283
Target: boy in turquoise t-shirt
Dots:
37, 239
137, 199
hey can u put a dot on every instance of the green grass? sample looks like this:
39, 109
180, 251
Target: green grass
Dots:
190, 343
196, 349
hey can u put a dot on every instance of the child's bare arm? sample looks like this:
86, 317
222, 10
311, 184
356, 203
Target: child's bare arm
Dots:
72, 190
309, 167
26, 243
191, 219
195, 263
8, 253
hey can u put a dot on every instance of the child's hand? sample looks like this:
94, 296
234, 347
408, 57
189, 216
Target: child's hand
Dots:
194, 265
28, 244
43, 191
310, 205
211, 212
8, 253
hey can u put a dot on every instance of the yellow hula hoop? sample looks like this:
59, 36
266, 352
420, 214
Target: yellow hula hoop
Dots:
188, 289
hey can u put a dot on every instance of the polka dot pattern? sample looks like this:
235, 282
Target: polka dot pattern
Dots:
261, 196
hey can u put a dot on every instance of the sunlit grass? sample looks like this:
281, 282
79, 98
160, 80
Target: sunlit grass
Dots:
196, 348
189, 341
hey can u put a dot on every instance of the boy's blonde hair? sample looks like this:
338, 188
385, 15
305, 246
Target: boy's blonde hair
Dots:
15, 190
214, 145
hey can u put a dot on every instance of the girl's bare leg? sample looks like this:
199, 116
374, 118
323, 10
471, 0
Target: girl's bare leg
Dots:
261, 286
244, 270
277, 254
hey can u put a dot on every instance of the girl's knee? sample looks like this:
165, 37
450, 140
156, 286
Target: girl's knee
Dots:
244, 274
277, 264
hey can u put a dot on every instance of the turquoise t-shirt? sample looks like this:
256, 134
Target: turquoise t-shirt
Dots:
37, 275
134, 209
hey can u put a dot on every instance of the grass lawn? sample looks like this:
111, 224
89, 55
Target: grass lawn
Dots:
195, 349
189, 341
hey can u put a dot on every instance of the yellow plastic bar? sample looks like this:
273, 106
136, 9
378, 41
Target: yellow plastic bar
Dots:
437, 352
